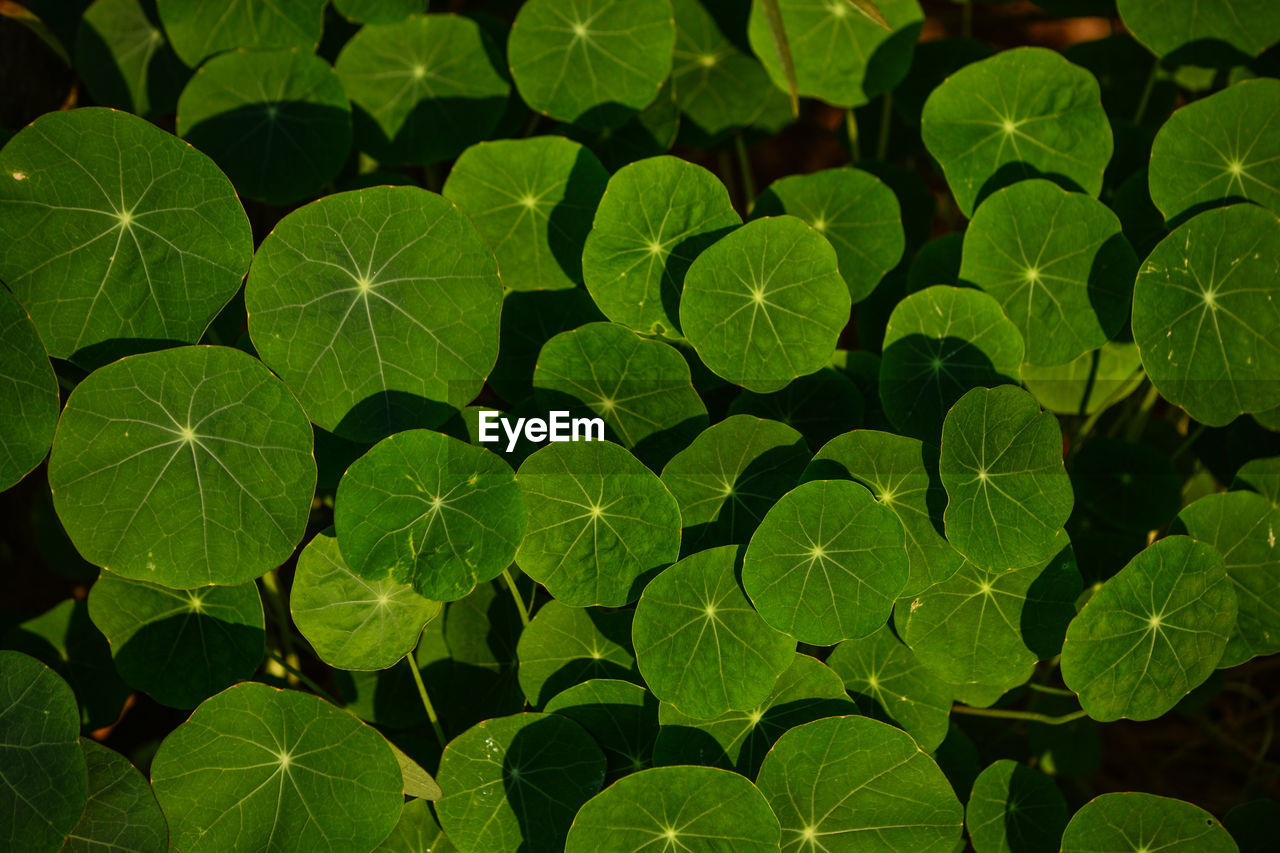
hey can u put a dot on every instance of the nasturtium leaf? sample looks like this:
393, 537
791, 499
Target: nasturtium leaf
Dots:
29, 400
1022, 113
1243, 527
430, 511
352, 622
765, 304
857, 213
1219, 149
276, 121
416, 831
841, 55
122, 812
198, 29
902, 474
1205, 316
533, 200
422, 89
1135, 821
621, 716
1165, 26
889, 684
821, 405
717, 84
1261, 476
940, 343
826, 563
641, 388
691, 809
256, 768
854, 784
378, 307
1008, 493
1088, 384
1014, 808
1151, 634
125, 60
45, 781
657, 215
699, 643
378, 11
726, 480
1057, 263
185, 467
807, 690
594, 63
600, 523
989, 628
179, 646
116, 236
514, 783
564, 646
529, 320
1132, 487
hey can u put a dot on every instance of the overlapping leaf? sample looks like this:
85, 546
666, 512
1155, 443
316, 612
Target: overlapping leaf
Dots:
28, 394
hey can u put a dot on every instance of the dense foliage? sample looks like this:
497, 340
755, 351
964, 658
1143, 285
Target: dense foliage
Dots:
924, 466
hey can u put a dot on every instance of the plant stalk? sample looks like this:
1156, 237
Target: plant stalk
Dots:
426, 700
851, 129
744, 165
515, 595
1030, 716
302, 677
271, 592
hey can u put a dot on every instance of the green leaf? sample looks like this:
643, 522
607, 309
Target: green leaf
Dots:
621, 716
1204, 316
514, 783
1088, 384
1023, 113
1152, 633
1008, 493
378, 11
354, 623
1243, 526
889, 684
1058, 265
533, 200
826, 563
841, 55
418, 783
1249, 26
116, 236
1015, 809
180, 646
564, 646
45, 781
857, 213
417, 831
198, 30
276, 121
430, 511
1133, 821
529, 320
738, 740
694, 809
600, 523
1261, 476
649, 133
902, 474
1131, 487
422, 89
989, 628
640, 388
821, 405
122, 812
872, 789
700, 645
656, 217
1219, 150
186, 467
29, 399
125, 60
940, 343
726, 480
594, 63
765, 304
379, 308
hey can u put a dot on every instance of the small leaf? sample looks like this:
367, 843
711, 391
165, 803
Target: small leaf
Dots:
1015, 809
199, 30
564, 646
621, 716
122, 812
417, 782
29, 400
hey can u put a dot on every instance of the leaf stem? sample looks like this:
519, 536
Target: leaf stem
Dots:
886, 120
773, 14
1145, 100
302, 677
1052, 691
426, 700
515, 595
1030, 716
1139, 423
744, 165
851, 129
271, 592
1192, 435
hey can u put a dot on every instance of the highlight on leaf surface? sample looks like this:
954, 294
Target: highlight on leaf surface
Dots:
198, 30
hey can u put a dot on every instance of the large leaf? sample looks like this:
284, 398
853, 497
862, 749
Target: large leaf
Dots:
28, 394
1152, 633
186, 467
122, 812
564, 646
1205, 316
199, 30
379, 308
116, 236
1133, 821
1165, 26
1015, 809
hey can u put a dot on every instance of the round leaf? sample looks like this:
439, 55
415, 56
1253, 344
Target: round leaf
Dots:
1133, 821
564, 646
186, 467
378, 11
621, 716
765, 304
826, 563
125, 60
717, 85
198, 29
116, 236
29, 399
1249, 26
378, 307
1015, 809
529, 320
122, 813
